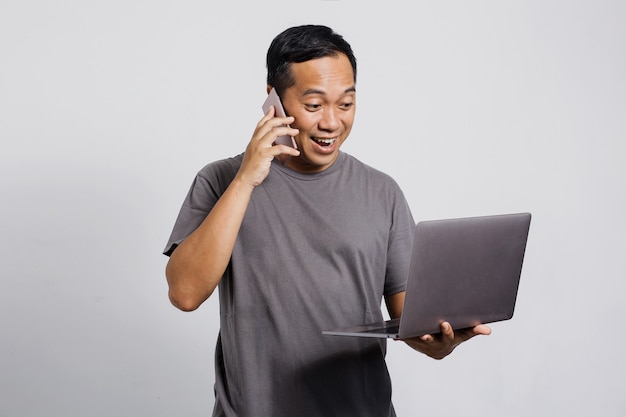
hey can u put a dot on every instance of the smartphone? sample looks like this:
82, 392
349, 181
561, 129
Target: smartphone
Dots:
274, 100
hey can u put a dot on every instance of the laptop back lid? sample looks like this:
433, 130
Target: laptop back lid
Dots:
464, 271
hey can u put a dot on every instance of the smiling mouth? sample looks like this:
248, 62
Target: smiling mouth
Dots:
324, 142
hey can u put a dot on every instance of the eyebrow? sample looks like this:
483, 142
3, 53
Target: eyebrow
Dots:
315, 91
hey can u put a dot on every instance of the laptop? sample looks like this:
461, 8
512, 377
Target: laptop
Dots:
464, 271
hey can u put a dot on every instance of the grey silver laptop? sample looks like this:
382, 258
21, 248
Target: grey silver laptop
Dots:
464, 271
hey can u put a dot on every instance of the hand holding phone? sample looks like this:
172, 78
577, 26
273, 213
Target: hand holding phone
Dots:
274, 100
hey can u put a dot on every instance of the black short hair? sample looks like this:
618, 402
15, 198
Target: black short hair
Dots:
300, 44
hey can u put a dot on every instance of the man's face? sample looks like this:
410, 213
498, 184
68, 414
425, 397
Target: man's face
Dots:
323, 102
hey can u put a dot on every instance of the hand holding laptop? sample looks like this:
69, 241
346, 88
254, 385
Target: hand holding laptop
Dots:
464, 272
440, 345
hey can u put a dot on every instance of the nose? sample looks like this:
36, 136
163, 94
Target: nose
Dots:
329, 121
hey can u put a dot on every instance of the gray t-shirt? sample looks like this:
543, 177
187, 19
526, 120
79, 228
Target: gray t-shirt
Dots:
315, 251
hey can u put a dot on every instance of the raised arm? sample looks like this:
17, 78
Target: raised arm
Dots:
196, 267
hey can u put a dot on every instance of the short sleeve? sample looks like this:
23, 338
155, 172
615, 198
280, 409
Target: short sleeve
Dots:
400, 246
206, 189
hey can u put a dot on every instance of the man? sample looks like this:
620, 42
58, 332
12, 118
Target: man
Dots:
299, 241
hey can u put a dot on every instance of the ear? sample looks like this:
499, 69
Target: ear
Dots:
269, 88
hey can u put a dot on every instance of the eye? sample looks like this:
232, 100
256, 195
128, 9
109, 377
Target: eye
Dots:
313, 106
346, 106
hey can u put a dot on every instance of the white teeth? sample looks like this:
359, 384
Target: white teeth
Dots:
326, 141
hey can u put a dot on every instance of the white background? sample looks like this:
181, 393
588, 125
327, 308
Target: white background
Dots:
108, 109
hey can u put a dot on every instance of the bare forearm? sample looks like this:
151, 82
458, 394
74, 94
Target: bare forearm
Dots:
196, 266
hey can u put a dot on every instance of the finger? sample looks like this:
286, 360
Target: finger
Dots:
446, 330
272, 129
467, 333
270, 152
285, 150
427, 338
269, 121
271, 111
482, 330
270, 116
267, 116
